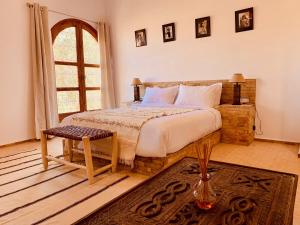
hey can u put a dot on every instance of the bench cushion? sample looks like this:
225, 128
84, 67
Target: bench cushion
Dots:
77, 133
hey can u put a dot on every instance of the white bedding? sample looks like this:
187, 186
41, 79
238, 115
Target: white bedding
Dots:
164, 135
168, 134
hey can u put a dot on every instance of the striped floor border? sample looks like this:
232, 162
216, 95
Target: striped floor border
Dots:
26, 185
81, 200
45, 197
38, 183
2, 174
3, 157
32, 160
31, 175
10, 160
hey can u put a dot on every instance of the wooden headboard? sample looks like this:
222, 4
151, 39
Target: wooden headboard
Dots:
248, 89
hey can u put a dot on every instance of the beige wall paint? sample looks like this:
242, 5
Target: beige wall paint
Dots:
16, 97
269, 53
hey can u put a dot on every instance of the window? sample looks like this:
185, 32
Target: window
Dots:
77, 68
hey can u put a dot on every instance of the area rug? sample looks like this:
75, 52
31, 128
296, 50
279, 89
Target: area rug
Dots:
245, 196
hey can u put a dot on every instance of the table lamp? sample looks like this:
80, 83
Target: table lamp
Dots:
136, 83
237, 79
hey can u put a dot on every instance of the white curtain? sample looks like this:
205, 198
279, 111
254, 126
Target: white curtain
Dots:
45, 101
108, 97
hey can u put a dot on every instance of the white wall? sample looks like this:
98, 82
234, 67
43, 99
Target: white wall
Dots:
269, 53
16, 97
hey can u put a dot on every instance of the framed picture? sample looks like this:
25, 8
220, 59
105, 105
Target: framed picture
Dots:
244, 20
169, 32
140, 38
202, 27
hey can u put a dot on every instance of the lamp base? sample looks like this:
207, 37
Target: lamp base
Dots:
137, 93
236, 94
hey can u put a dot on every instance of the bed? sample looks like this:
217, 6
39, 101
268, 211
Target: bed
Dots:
161, 140
166, 135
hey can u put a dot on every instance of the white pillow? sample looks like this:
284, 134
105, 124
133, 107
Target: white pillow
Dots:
216, 91
200, 96
160, 95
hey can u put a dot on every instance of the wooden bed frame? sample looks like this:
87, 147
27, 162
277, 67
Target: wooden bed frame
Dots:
153, 165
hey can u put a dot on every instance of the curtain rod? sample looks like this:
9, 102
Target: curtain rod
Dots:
60, 13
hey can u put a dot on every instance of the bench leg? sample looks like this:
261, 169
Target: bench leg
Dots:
69, 149
114, 159
88, 159
44, 150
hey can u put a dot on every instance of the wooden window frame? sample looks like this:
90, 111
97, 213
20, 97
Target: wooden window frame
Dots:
80, 64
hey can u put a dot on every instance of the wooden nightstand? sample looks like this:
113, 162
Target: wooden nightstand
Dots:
238, 123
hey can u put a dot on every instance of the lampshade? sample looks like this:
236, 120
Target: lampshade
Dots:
136, 82
237, 78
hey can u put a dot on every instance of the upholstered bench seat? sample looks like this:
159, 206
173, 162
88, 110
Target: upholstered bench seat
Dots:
84, 134
77, 133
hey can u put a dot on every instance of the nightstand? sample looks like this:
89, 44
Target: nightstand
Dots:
238, 124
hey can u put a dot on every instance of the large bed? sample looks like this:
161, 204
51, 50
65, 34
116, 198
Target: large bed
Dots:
165, 134
158, 140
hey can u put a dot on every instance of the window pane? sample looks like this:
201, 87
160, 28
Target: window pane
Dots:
68, 101
92, 77
64, 47
66, 76
93, 100
90, 48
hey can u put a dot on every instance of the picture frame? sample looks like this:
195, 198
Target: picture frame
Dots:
202, 27
169, 33
244, 20
140, 38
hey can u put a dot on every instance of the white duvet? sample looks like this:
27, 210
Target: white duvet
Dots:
168, 134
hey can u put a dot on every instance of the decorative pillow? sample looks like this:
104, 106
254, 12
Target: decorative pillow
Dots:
200, 96
160, 95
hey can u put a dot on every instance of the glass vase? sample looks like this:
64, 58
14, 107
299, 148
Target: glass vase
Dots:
205, 197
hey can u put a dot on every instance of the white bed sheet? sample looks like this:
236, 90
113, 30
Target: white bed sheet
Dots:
168, 134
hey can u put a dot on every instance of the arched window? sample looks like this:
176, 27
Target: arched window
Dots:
77, 67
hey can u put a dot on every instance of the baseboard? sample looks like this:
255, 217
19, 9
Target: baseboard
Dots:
19, 142
276, 141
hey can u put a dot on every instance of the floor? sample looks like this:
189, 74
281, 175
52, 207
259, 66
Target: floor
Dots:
60, 195
266, 155
274, 156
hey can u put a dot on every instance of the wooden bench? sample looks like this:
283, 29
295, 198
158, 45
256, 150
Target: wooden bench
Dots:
84, 134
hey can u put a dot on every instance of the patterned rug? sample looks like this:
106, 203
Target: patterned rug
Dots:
31, 195
246, 196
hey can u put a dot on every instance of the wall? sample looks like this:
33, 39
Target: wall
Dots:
16, 97
269, 53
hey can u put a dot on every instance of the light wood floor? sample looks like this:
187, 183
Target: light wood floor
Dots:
266, 155
274, 156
